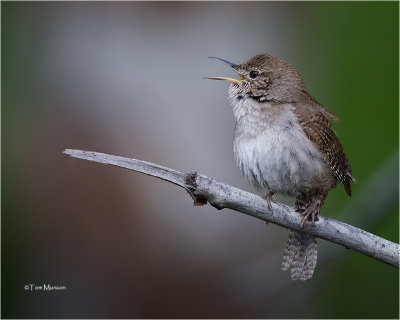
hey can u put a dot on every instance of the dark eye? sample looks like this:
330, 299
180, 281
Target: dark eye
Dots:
254, 74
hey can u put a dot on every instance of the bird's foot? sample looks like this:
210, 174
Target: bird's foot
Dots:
269, 196
310, 215
311, 212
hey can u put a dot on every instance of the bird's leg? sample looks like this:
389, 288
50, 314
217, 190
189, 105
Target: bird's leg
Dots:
311, 212
311, 209
269, 196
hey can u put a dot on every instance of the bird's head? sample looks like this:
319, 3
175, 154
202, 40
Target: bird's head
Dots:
264, 78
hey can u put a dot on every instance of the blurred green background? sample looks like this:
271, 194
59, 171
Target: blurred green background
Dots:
126, 78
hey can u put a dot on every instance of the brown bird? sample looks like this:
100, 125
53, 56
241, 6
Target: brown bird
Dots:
284, 143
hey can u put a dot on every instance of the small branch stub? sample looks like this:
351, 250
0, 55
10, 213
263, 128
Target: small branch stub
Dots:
190, 180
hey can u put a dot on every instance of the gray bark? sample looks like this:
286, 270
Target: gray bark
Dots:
203, 189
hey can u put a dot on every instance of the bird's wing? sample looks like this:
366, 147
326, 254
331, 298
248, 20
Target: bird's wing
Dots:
319, 130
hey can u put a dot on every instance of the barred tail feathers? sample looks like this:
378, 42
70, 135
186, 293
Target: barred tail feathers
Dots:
301, 255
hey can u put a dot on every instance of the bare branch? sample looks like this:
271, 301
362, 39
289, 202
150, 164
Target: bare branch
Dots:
220, 195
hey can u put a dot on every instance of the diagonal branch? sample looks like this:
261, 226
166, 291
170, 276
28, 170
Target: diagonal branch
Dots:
220, 195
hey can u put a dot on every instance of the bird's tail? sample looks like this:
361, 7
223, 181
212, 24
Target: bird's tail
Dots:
301, 255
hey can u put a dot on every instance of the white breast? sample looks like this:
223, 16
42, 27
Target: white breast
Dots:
276, 155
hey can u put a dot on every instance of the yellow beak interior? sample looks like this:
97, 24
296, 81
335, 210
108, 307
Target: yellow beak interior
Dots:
231, 80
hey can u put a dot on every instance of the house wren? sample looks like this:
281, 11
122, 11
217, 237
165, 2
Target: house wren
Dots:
284, 143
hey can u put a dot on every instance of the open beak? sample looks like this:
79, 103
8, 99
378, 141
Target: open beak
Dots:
233, 66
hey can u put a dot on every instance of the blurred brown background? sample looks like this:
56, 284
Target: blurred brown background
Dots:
126, 78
